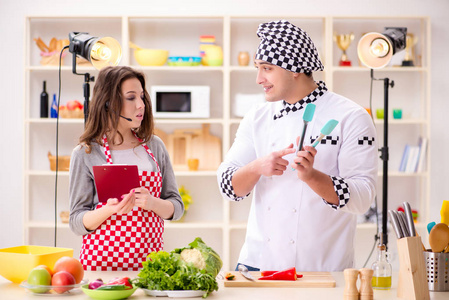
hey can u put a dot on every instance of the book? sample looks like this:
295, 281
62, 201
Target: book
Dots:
403, 163
422, 154
412, 159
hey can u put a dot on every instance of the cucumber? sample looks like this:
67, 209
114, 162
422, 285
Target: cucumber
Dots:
112, 287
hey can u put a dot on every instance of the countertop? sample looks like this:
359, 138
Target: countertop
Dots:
9, 290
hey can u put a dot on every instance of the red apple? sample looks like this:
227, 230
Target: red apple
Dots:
72, 104
62, 278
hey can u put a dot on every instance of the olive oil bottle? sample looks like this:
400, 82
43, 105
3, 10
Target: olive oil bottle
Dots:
382, 270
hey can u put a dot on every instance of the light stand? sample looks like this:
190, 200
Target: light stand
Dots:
375, 51
86, 87
384, 155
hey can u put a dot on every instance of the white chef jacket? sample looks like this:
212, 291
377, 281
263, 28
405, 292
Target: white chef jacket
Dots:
289, 224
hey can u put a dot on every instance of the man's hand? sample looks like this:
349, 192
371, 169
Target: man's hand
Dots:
274, 163
303, 163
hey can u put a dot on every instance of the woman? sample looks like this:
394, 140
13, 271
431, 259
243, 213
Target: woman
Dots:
119, 234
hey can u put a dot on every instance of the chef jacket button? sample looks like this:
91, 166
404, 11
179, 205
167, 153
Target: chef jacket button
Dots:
292, 241
268, 239
294, 210
269, 208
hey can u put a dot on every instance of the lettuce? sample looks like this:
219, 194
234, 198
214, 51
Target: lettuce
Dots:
169, 271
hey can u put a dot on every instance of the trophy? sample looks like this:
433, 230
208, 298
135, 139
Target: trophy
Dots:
343, 41
409, 57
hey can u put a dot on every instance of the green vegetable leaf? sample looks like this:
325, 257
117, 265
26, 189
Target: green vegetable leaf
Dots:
169, 271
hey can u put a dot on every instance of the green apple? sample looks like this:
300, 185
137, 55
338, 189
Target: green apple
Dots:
39, 276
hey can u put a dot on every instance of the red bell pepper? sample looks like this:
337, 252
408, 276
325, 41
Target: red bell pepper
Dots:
268, 273
288, 274
123, 280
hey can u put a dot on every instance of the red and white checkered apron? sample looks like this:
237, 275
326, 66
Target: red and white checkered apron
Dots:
122, 242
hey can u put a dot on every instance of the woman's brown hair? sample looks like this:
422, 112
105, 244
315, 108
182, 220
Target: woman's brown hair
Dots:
106, 104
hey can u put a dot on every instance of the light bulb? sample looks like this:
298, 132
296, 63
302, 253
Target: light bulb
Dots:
379, 47
100, 52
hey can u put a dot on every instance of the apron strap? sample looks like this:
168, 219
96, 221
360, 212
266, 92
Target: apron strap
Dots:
107, 151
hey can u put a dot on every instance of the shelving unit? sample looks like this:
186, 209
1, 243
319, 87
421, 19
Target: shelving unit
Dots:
220, 223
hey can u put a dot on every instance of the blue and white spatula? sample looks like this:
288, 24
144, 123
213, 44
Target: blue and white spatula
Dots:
307, 117
326, 130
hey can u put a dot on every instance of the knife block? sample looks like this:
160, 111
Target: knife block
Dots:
412, 282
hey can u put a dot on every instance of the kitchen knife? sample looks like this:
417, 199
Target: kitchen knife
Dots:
244, 271
395, 223
403, 221
409, 215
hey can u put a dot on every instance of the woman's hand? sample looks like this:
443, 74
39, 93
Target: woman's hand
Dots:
160, 207
144, 199
122, 207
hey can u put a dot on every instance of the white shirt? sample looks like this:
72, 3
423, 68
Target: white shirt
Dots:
289, 224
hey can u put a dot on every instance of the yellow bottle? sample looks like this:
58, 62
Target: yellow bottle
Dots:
445, 212
382, 270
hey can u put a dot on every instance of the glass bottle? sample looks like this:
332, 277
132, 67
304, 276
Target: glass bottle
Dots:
382, 270
44, 102
54, 107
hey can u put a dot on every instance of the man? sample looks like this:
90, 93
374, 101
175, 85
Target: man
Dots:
305, 203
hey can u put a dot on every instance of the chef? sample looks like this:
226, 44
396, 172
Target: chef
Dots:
305, 203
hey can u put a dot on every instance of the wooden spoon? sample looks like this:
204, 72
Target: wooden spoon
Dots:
134, 46
439, 237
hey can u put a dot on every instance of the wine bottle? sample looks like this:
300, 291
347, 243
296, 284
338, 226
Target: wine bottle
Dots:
54, 108
44, 102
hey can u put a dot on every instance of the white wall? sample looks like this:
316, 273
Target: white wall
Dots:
12, 21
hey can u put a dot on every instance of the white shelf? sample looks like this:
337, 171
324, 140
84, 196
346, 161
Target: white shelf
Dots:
386, 69
220, 221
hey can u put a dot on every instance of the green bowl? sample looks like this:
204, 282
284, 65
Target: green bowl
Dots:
107, 295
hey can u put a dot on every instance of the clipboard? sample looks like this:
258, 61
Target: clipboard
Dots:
112, 181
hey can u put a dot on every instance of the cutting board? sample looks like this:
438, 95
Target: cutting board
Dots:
207, 148
309, 280
198, 143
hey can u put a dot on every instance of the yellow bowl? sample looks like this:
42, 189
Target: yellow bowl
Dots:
17, 262
151, 57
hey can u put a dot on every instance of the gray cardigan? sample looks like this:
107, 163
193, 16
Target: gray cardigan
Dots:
82, 193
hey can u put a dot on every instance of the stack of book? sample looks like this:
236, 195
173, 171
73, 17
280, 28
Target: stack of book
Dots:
414, 157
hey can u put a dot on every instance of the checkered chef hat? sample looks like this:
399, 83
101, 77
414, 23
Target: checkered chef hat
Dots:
287, 46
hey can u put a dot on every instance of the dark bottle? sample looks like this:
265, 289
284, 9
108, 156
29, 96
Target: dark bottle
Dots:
44, 102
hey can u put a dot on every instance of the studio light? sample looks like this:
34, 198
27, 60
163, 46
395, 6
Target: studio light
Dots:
375, 51
100, 52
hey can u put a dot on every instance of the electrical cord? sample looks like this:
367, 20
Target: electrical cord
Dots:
57, 147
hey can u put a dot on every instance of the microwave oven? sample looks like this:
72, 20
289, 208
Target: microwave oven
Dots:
173, 101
